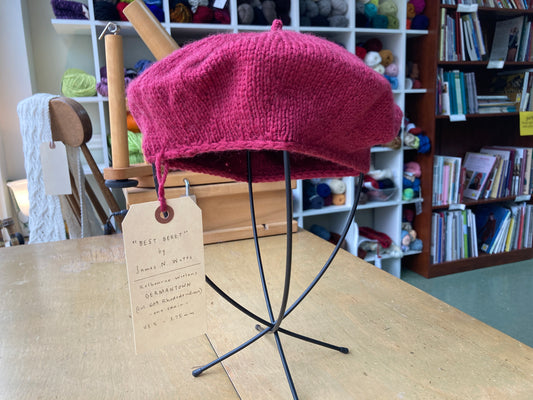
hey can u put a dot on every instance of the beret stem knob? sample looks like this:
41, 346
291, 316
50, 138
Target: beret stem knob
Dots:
276, 25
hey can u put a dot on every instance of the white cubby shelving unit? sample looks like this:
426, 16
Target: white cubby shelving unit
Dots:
88, 54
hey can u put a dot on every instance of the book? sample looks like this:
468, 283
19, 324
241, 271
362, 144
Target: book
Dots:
489, 221
478, 168
506, 40
511, 84
503, 170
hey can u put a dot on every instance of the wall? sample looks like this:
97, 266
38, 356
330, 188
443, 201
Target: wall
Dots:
34, 58
16, 84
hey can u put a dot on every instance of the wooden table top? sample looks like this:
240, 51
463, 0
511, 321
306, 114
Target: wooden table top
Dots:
66, 332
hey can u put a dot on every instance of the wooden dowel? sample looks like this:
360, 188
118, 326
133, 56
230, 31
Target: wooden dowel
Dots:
100, 181
95, 202
154, 36
117, 102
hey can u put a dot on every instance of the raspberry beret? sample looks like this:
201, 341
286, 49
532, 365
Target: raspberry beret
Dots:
203, 106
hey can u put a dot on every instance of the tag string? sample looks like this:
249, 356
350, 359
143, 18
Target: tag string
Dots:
161, 178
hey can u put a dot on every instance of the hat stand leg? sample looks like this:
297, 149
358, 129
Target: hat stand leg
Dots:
274, 325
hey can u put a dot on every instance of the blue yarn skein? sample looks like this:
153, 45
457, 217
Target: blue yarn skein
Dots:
323, 190
320, 231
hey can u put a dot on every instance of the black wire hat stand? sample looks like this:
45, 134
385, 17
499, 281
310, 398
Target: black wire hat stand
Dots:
273, 324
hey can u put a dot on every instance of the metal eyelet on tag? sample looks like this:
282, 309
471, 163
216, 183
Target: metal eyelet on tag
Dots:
161, 217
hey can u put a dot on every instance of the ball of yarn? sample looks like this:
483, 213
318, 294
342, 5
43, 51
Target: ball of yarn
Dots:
391, 70
135, 148
372, 59
371, 10
222, 16
386, 57
408, 194
180, 13
394, 22
373, 44
411, 10
337, 186
269, 11
312, 9
338, 199
105, 11
141, 65
101, 87
418, 5
420, 22
130, 73
131, 123
77, 83
388, 7
424, 144
157, 11
315, 202
324, 7
121, 5
64, 9
380, 22
393, 80
360, 52
411, 140
203, 15
157, 3
245, 13
380, 69
338, 21
413, 168
416, 245
320, 231
338, 7
323, 190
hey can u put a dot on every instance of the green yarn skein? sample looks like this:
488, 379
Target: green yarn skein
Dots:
78, 83
135, 148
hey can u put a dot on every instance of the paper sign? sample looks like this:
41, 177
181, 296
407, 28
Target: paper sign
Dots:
457, 117
467, 8
526, 123
220, 4
166, 273
455, 207
54, 165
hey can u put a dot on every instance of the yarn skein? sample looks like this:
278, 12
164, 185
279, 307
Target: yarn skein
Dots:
78, 83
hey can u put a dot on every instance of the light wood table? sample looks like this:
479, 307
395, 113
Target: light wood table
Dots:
65, 332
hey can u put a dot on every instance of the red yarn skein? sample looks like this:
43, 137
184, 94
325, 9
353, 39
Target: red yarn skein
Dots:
203, 15
222, 16
120, 8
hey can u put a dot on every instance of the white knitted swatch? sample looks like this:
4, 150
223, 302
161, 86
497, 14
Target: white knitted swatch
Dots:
46, 220
48, 214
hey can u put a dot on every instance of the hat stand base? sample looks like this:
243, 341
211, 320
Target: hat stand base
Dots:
273, 325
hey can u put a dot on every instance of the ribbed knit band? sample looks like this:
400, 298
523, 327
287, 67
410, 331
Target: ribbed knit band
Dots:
204, 105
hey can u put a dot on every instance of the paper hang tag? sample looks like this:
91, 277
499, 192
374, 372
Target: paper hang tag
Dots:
54, 165
219, 4
166, 272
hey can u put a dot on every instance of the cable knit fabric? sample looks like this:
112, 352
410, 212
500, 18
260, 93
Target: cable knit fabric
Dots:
202, 107
45, 220
48, 213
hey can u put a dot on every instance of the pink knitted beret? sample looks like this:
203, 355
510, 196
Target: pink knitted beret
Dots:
203, 106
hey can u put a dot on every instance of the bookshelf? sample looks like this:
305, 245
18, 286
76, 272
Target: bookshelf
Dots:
455, 138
